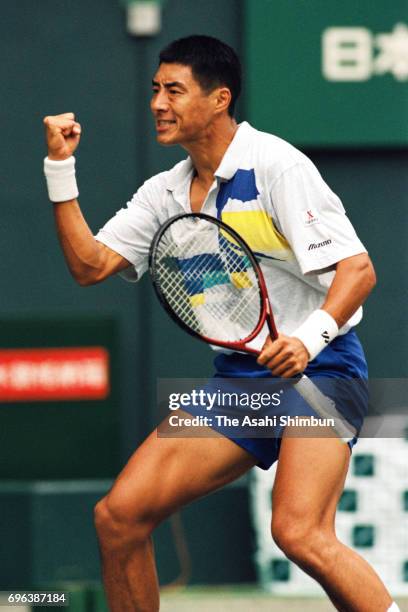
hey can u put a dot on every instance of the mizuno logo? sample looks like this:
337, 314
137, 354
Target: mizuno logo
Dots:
317, 245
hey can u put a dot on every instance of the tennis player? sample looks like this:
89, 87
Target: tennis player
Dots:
275, 197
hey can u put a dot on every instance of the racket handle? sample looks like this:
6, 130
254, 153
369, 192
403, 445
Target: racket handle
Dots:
324, 406
273, 332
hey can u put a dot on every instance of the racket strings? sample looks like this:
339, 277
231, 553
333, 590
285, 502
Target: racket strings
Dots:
208, 280
215, 302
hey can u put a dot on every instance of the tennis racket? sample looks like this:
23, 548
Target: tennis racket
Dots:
209, 281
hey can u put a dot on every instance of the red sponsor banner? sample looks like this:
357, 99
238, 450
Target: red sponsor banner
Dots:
38, 374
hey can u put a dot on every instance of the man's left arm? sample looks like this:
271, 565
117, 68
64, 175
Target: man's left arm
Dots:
353, 281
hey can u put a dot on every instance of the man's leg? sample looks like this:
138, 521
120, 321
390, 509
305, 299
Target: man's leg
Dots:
162, 475
309, 481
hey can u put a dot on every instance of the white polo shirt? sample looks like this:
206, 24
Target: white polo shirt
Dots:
274, 196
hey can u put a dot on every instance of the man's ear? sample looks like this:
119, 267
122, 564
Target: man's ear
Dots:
222, 99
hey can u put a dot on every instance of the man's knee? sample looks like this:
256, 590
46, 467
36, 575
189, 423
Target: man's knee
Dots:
117, 525
306, 544
288, 535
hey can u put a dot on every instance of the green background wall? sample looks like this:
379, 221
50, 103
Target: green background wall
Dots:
334, 72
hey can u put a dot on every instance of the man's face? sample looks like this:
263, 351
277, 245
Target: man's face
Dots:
182, 110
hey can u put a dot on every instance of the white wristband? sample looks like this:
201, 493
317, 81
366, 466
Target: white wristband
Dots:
61, 181
317, 332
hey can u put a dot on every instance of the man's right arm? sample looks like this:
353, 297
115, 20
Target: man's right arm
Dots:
88, 260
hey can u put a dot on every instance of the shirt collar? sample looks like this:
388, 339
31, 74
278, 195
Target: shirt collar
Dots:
177, 176
235, 152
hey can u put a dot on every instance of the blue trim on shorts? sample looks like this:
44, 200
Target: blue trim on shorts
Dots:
343, 359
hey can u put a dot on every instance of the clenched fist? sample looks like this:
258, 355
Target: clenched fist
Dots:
63, 134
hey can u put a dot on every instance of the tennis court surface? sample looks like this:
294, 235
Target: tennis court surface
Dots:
244, 600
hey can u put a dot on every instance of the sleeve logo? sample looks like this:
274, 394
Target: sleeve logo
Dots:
310, 217
318, 245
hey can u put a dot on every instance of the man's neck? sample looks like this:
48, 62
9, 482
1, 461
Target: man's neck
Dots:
207, 152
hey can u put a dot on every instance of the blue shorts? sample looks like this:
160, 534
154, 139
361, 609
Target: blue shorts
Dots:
340, 371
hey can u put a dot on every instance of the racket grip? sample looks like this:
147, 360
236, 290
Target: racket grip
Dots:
324, 407
273, 332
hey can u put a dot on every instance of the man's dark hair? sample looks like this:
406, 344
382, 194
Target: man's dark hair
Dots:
213, 63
